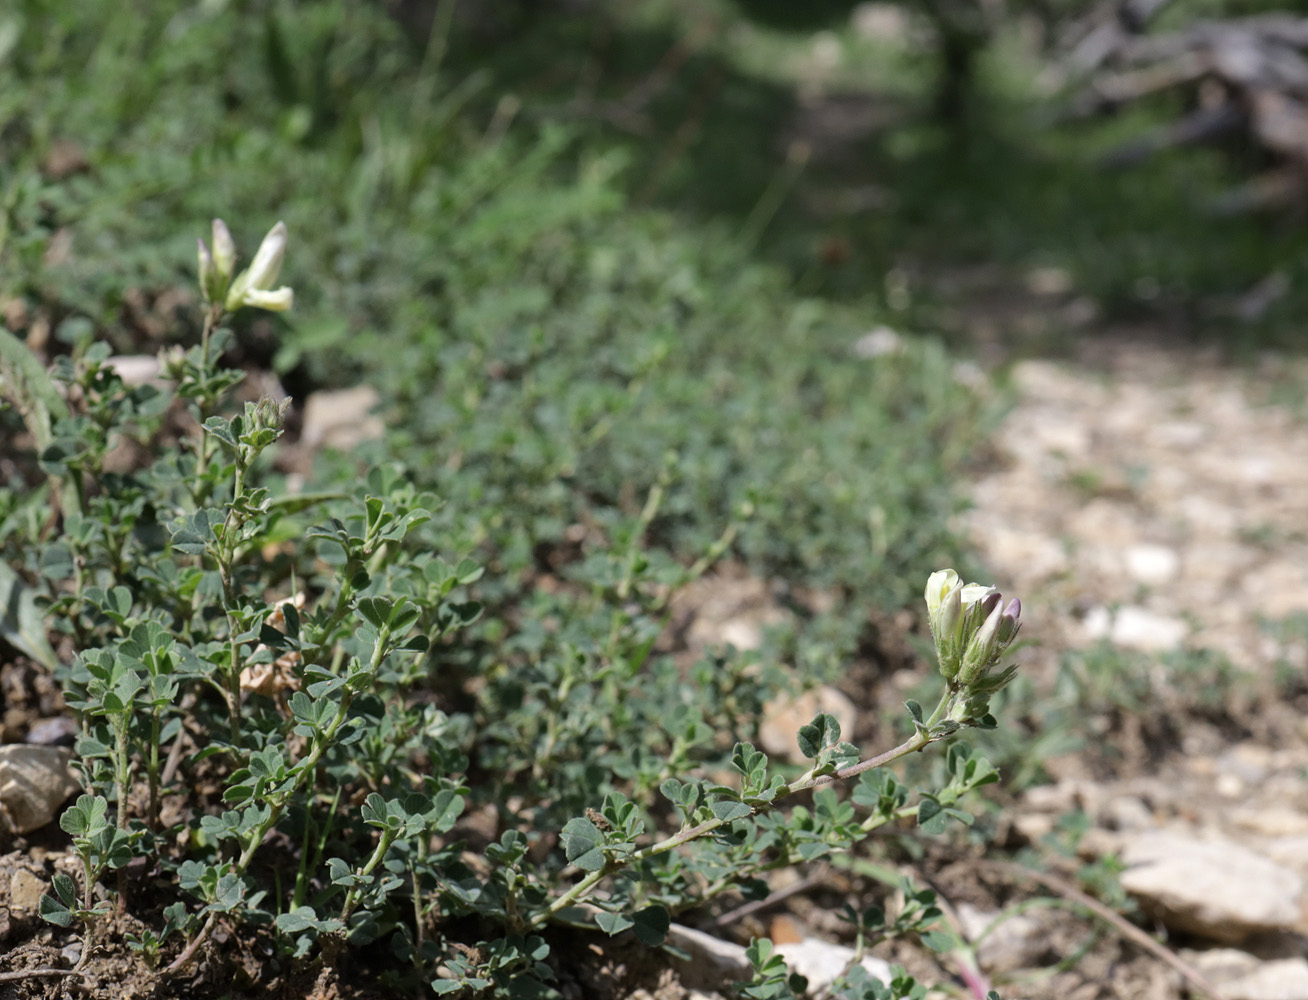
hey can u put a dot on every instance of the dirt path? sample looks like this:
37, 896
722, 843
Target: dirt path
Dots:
1156, 482
1150, 503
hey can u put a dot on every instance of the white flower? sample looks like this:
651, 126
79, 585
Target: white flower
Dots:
254, 285
276, 301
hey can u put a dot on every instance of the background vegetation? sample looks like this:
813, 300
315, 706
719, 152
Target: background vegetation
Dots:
609, 268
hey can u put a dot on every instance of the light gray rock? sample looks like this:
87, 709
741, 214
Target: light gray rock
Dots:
34, 782
1289, 851
882, 22
1135, 628
1271, 821
341, 418
1215, 888
1152, 564
135, 369
820, 962
784, 717
25, 891
1221, 965
1283, 979
1127, 812
1019, 942
712, 960
878, 341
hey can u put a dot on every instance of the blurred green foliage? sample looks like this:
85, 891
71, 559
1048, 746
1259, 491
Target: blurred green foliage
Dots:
540, 344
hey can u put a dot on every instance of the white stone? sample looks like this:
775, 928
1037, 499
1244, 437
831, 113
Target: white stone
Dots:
1181, 434
135, 369
1215, 888
1289, 851
1283, 979
1221, 964
34, 782
878, 341
1271, 821
341, 418
1152, 564
1135, 628
25, 891
1127, 812
712, 959
1019, 942
783, 718
883, 22
745, 634
820, 962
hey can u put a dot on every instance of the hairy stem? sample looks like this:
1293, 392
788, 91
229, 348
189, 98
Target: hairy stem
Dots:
918, 741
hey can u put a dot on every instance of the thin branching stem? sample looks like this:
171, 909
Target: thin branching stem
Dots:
916, 742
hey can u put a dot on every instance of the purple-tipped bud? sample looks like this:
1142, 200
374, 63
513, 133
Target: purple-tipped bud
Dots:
980, 652
1009, 623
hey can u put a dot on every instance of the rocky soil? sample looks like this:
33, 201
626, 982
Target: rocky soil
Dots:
1150, 506
1153, 502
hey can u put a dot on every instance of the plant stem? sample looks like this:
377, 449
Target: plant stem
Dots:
916, 742
152, 771
211, 318
352, 897
122, 783
307, 767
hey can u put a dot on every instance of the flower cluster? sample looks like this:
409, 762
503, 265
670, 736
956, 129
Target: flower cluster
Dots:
972, 629
254, 285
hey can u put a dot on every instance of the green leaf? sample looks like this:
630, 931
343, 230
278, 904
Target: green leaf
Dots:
21, 624
822, 732
652, 925
404, 614
66, 889
376, 611
229, 893
86, 817
915, 710
930, 815
613, 923
195, 533
304, 918
53, 911
581, 844
447, 805
221, 428
30, 388
939, 941
730, 811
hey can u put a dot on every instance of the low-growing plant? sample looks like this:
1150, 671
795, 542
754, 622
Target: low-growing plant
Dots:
286, 709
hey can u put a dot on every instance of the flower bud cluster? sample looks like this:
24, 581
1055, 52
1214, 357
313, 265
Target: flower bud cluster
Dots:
972, 629
254, 285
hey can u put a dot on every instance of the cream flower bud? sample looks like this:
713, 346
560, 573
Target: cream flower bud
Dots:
276, 301
267, 263
254, 285
224, 249
208, 273
980, 651
938, 585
